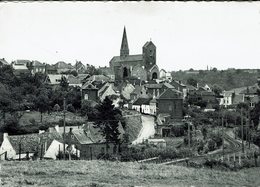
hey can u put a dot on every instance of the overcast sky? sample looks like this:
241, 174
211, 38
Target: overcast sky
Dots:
186, 34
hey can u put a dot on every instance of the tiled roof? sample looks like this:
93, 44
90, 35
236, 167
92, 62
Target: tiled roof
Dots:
89, 86
153, 86
171, 94
142, 101
168, 85
130, 58
73, 80
3, 61
37, 63
238, 99
63, 65
31, 142
82, 136
54, 77
98, 78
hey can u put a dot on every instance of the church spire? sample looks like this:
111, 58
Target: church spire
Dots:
124, 51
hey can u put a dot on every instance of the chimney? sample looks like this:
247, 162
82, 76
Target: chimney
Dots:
71, 130
5, 135
57, 128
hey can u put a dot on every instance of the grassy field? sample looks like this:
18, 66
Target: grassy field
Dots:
101, 173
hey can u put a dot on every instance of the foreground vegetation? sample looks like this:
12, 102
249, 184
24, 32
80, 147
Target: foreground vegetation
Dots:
101, 173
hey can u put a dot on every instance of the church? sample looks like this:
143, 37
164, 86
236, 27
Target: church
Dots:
141, 66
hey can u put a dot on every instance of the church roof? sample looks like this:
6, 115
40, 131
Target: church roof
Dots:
148, 43
130, 58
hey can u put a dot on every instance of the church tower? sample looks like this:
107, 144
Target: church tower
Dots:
124, 51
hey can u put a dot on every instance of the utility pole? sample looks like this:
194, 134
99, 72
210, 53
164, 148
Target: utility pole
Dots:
189, 134
222, 121
64, 123
242, 130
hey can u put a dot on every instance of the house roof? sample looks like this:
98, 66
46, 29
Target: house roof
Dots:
250, 90
81, 77
73, 80
163, 70
142, 101
31, 142
3, 61
116, 60
63, 65
99, 78
168, 85
54, 77
82, 136
37, 63
171, 93
157, 86
238, 99
89, 86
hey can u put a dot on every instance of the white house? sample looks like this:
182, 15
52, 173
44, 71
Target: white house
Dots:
227, 99
145, 105
42, 144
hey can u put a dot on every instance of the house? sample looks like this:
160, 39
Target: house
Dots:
20, 67
106, 90
63, 67
156, 89
98, 78
178, 85
171, 102
74, 81
228, 98
163, 74
145, 105
36, 67
54, 79
126, 88
89, 92
28, 146
107, 72
139, 91
80, 68
83, 78
51, 69
3, 62
90, 141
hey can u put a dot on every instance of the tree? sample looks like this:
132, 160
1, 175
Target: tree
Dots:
42, 103
217, 89
64, 83
107, 120
5, 101
192, 82
56, 107
88, 109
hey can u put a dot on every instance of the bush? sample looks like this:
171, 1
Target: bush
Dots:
71, 108
211, 144
178, 130
56, 108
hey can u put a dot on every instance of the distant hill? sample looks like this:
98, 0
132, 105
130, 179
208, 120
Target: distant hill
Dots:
226, 79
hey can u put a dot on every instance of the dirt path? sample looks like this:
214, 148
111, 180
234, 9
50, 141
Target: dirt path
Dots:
148, 129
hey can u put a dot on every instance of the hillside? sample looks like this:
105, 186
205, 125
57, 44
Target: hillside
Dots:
226, 79
101, 173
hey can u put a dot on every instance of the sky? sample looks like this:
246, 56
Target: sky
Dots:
186, 34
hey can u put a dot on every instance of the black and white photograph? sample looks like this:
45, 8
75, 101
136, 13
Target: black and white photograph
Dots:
129, 93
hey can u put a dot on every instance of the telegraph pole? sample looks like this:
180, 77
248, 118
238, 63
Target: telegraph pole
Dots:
242, 130
64, 123
222, 121
189, 134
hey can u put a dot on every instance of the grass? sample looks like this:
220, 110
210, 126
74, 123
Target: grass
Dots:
102, 173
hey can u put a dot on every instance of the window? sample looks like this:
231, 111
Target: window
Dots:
86, 96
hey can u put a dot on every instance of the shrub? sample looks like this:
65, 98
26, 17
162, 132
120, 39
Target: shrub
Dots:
211, 144
178, 130
71, 108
